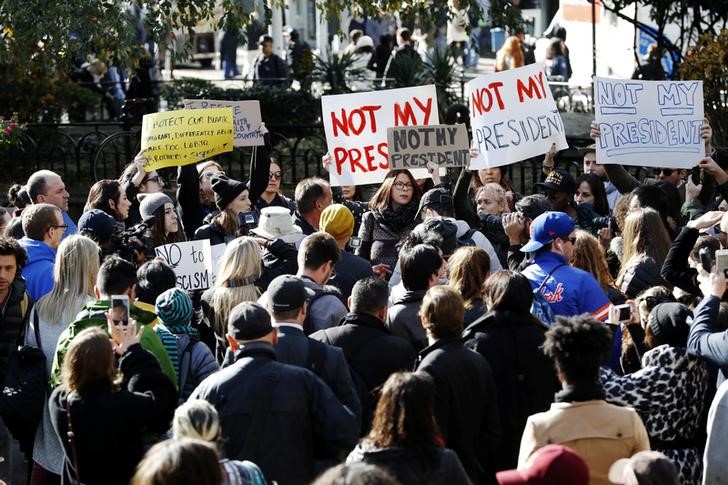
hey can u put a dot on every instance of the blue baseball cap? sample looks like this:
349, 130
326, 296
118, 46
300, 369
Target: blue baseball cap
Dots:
547, 227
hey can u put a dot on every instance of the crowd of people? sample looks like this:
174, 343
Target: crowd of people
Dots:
446, 330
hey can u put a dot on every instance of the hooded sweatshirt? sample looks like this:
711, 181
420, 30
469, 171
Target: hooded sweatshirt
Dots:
38, 273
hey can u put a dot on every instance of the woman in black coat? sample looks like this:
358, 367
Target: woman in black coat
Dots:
509, 338
109, 409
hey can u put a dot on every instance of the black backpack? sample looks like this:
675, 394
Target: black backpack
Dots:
467, 238
308, 327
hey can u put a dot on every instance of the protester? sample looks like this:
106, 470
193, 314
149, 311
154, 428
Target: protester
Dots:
590, 166
422, 266
180, 461
292, 417
239, 269
510, 338
108, 196
392, 214
44, 228
192, 360
467, 185
517, 226
357, 473
590, 190
158, 213
671, 414
705, 340
578, 345
467, 270
287, 303
338, 221
313, 195
646, 243
47, 187
560, 189
645, 468
74, 277
466, 408
492, 204
193, 206
136, 180
567, 290
115, 277
371, 351
101, 411
198, 419
588, 255
232, 200
272, 196
404, 439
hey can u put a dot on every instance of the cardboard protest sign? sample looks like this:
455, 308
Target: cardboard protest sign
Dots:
649, 123
191, 262
181, 137
356, 129
415, 146
513, 117
246, 118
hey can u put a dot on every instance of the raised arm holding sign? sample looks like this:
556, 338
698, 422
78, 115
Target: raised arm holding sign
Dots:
185, 136
356, 130
649, 123
513, 117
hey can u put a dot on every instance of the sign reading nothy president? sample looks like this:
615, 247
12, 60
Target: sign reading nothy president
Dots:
246, 118
356, 130
185, 136
416, 146
649, 123
513, 117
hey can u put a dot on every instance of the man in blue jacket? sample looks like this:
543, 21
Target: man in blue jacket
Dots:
44, 227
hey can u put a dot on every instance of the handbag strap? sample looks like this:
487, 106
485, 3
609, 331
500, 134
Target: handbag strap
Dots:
538, 290
72, 441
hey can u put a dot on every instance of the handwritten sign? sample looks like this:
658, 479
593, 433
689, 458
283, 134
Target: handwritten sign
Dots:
216, 253
246, 118
416, 146
191, 262
356, 129
513, 117
185, 136
649, 123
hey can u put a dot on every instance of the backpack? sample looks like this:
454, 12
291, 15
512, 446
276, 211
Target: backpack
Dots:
467, 238
308, 327
185, 364
540, 308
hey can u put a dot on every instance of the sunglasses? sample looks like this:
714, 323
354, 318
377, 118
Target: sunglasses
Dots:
275, 175
208, 175
664, 171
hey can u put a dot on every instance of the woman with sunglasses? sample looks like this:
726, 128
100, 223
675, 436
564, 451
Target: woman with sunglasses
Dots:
134, 181
196, 200
272, 196
391, 216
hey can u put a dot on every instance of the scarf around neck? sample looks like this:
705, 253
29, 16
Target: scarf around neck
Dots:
397, 220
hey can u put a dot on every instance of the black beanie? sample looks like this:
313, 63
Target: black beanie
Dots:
670, 323
226, 189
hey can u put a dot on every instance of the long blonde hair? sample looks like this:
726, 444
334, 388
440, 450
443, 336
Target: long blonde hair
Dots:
240, 268
74, 277
644, 235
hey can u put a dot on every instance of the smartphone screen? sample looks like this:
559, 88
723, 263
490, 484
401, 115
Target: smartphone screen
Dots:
624, 313
120, 309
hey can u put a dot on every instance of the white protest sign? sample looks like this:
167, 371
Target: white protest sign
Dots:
649, 123
356, 130
191, 262
513, 117
246, 118
216, 253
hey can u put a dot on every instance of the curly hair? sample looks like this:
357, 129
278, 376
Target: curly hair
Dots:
11, 247
589, 256
578, 345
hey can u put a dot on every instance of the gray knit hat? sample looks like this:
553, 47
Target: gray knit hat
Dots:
149, 203
174, 307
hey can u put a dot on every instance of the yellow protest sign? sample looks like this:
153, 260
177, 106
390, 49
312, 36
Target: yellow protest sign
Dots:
185, 136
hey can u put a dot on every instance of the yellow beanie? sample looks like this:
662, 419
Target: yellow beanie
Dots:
338, 221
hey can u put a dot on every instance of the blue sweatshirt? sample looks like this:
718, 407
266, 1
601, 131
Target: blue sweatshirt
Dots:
704, 341
38, 273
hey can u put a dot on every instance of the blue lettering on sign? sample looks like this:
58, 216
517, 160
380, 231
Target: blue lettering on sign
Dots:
677, 99
617, 98
650, 136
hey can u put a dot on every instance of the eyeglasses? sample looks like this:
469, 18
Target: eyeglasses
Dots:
664, 171
275, 175
403, 186
60, 226
208, 175
157, 179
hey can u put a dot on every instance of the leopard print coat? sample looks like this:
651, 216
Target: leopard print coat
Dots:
668, 395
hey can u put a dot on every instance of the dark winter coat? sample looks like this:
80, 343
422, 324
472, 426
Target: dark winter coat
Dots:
281, 417
109, 424
403, 319
675, 269
373, 354
13, 316
640, 275
466, 405
525, 379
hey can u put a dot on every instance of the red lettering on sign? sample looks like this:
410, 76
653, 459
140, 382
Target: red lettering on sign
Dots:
404, 115
355, 121
382, 149
532, 88
481, 105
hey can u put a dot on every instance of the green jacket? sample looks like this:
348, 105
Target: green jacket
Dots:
94, 315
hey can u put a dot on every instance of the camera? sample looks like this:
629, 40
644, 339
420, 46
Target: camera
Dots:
248, 220
127, 243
